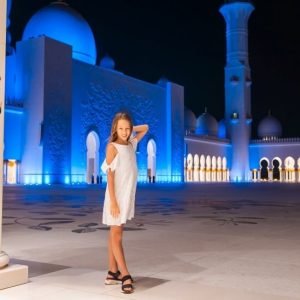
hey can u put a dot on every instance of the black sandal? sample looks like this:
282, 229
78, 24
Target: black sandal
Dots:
114, 279
127, 288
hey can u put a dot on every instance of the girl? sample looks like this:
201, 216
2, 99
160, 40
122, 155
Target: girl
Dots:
120, 166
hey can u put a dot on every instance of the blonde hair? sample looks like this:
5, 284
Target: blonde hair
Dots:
119, 116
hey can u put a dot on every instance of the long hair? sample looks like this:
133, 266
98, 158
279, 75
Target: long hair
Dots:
119, 116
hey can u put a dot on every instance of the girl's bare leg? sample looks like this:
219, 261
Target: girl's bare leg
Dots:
112, 263
116, 234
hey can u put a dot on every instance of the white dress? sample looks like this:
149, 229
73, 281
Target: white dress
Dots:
124, 165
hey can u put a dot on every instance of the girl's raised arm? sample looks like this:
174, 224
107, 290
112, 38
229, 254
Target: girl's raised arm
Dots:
140, 130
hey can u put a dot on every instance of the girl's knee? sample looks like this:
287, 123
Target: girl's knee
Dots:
116, 232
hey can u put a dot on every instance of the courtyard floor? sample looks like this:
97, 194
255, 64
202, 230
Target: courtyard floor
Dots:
191, 241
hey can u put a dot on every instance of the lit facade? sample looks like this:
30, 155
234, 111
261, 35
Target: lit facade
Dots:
224, 151
60, 104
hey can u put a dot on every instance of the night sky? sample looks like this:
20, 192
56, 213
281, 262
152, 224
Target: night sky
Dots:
184, 41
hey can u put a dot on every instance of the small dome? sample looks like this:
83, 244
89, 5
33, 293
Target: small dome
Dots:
163, 81
60, 22
222, 129
269, 127
207, 125
189, 120
107, 62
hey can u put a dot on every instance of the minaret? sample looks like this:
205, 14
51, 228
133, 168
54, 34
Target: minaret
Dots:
238, 86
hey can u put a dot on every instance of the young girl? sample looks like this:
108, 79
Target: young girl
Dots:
120, 166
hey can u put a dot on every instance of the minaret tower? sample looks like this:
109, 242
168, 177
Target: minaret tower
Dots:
238, 86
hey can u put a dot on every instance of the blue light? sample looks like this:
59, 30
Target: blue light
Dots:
60, 22
47, 179
67, 179
32, 179
38, 179
26, 179
14, 110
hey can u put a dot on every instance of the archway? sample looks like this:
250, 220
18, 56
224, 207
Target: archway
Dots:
202, 168
289, 165
189, 167
92, 157
208, 168
264, 169
151, 160
225, 172
276, 168
298, 168
219, 168
196, 168
11, 174
213, 169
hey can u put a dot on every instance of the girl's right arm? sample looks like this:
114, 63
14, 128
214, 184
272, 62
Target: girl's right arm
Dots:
111, 153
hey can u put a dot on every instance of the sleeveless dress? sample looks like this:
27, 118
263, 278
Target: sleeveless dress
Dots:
124, 165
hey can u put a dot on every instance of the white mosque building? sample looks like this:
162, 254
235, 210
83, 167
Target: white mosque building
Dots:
60, 103
224, 151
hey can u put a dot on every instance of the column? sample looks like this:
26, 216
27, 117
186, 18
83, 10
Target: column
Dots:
10, 275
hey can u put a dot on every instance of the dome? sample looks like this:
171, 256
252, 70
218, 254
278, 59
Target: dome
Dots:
222, 129
269, 127
207, 125
107, 62
163, 81
60, 22
189, 120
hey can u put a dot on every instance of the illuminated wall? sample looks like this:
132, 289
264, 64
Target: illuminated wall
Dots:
271, 150
13, 133
10, 80
64, 100
57, 113
30, 92
99, 93
207, 146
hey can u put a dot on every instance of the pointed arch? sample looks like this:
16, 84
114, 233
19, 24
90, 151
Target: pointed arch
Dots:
289, 165
92, 156
276, 168
151, 160
264, 168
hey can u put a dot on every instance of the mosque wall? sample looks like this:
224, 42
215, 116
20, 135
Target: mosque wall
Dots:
56, 126
270, 151
207, 147
13, 133
175, 109
10, 78
98, 94
30, 57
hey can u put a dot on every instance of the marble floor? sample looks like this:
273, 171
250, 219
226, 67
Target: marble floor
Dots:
192, 241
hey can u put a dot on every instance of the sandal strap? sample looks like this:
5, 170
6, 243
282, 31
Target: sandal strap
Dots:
126, 286
126, 277
114, 275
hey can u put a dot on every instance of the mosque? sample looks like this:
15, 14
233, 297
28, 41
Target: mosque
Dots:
59, 104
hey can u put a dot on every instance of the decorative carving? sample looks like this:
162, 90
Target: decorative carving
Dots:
56, 139
106, 96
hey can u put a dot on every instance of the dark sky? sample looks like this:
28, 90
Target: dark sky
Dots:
184, 41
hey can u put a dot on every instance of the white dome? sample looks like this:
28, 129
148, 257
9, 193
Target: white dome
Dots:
269, 127
62, 23
189, 120
207, 125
